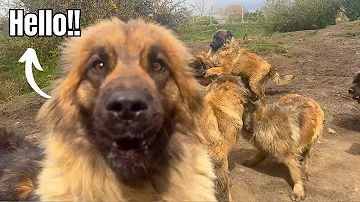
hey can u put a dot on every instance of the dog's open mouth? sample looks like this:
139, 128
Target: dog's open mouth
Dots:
133, 143
131, 157
132, 150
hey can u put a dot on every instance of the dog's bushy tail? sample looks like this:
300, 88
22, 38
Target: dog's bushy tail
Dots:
280, 80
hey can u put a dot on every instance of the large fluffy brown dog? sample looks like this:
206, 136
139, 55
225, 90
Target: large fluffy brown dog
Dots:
122, 120
227, 56
221, 123
286, 130
354, 91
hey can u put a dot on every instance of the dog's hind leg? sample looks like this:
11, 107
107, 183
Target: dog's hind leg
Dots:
295, 172
255, 159
306, 161
222, 182
255, 83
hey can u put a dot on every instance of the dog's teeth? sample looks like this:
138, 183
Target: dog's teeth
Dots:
146, 147
111, 155
143, 143
114, 144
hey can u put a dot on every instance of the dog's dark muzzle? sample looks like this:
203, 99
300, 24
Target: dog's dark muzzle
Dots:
129, 113
127, 128
216, 44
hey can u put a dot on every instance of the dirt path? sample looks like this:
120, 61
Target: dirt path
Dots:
323, 63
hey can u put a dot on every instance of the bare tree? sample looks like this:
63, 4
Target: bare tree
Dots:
200, 6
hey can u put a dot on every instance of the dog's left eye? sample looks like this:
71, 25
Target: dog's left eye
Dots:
99, 67
158, 65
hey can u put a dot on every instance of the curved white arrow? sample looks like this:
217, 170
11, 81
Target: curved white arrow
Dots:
30, 57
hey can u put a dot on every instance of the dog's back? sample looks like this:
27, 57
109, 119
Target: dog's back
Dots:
292, 124
310, 117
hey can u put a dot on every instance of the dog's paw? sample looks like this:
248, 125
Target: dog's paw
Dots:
207, 74
299, 193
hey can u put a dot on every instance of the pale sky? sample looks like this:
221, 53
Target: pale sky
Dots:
250, 5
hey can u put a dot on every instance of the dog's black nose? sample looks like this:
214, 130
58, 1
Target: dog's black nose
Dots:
127, 105
351, 91
211, 44
203, 73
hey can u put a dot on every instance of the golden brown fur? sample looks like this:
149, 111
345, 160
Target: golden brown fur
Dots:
199, 66
286, 130
230, 57
221, 123
77, 167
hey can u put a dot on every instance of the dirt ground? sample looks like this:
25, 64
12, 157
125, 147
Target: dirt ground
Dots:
324, 63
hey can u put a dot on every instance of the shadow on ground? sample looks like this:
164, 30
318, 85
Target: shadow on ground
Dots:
347, 121
354, 149
269, 166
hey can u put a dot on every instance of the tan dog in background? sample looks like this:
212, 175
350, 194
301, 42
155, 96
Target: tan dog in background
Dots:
122, 120
227, 56
286, 130
221, 123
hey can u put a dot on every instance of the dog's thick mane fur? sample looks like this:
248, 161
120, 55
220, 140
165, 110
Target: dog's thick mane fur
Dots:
74, 169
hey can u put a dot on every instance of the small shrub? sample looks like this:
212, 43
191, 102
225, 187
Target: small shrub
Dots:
264, 48
294, 15
351, 9
352, 34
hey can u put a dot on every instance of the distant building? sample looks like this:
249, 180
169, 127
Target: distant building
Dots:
232, 13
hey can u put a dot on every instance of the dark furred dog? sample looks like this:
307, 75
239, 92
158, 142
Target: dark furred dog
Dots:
19, 166
122, 119
227, 56
354, 91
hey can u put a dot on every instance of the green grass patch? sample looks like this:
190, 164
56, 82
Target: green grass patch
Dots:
13, 81
206, 32
352, 34
264, 48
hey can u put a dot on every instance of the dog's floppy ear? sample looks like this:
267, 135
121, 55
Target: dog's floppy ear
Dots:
229, 35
